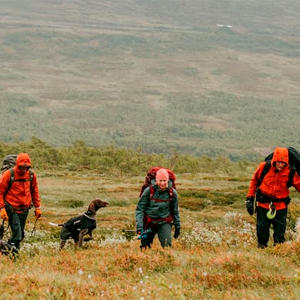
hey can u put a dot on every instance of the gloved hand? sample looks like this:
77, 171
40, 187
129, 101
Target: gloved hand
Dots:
176, 233
250, 205
145, 238
37, 213
4, 215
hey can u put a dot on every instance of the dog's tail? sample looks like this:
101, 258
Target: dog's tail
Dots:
55, 224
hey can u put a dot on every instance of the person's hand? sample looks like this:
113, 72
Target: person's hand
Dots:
4, 215
38, 213
250, 205
176, 233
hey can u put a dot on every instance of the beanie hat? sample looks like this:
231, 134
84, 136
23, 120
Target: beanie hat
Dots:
162, 174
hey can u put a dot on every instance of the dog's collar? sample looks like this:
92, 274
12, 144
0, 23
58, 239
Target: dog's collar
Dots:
89, 217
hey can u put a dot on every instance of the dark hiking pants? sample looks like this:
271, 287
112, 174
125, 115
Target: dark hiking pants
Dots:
163, 231
17, 224
263, 224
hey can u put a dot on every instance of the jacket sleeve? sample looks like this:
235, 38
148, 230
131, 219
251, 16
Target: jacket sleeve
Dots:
175, 210
140, 209
35, 192
4, 182
254, 180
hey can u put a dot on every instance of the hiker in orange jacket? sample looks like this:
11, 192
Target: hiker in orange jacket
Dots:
272, 197
17, 197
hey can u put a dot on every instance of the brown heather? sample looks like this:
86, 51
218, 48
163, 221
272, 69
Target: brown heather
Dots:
214, 258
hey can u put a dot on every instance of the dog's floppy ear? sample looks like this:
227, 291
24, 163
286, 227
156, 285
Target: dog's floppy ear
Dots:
92, 206
96, 204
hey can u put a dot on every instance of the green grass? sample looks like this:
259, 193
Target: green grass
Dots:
215, 256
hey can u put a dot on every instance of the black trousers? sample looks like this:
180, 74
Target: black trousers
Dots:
263, 224
17, 224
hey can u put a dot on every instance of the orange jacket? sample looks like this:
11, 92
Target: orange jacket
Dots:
21, 193
274, 184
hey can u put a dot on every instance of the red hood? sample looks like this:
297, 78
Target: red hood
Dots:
281, 154
23, 159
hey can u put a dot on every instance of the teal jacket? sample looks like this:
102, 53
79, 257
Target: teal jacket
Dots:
156, 209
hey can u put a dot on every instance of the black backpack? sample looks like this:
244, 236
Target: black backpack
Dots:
9, 161
294, 162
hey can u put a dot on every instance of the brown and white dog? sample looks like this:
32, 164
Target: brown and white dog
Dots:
76, 228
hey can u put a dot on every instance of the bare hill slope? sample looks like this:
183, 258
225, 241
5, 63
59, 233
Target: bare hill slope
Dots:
202, 77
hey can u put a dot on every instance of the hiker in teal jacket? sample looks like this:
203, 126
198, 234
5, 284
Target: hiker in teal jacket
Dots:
157, 210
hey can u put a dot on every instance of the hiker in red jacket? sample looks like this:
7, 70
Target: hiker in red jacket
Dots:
272, 197
17, 197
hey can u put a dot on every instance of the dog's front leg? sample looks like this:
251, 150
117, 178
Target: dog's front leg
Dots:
82, 233
62, 244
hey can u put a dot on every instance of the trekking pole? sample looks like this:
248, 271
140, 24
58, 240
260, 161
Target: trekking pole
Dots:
34, 228
2, 230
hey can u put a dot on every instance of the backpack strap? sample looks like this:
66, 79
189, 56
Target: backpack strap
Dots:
291, 175
152, 191
12, 178
264, 172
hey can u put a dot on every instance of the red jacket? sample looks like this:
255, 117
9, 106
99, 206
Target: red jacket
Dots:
21, 193
274, 184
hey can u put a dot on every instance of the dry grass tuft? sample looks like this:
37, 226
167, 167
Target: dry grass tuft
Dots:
215, 257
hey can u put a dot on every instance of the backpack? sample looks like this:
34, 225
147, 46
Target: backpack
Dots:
8, 163
294, 162
151, 174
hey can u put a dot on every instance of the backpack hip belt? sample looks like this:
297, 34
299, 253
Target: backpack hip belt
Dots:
262, 198
155, 221
20, 209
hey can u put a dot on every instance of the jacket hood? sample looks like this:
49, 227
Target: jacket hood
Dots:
281, 154
23, 159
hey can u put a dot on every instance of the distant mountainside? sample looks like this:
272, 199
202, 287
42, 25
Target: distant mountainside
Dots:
198, 77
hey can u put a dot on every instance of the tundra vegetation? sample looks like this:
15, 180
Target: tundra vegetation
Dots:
215, 256
97, 92
160, 75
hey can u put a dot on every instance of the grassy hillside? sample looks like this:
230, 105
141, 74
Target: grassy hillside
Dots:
198, 77
215, 256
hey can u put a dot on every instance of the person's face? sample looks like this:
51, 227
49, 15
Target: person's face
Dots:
23, 169
162, 183
279, 165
